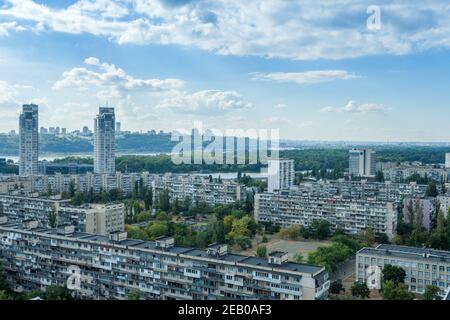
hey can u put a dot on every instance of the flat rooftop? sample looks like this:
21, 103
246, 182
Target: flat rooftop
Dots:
193, 252
408, 253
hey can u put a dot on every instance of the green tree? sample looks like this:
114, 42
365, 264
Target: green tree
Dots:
432, 190
57, 293
337, 287
431, 293
52, 218
261, 251
360, 290
134, 295
393, 273
330, 256
3, 295
321, 229
379, 177
72, 188
290, 233
298, 257
391, 291
156, 230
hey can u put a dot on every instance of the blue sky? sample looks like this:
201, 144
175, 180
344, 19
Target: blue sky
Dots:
309, 68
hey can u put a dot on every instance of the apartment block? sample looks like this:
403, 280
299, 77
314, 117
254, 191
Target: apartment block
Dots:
423, 266
28, 140
92, 218
362, 163
199, 189
281, 174
352, 216
383, 191
104, 141
22, 208
110, 267
58, 183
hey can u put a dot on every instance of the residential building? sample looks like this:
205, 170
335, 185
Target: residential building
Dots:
104, 141
423, 209
351, 216
423, 266
198, 189
10, 184
362, 163
447, 160
444, 204
111, 267
91, 218
363, 189
28, 140
281, 174
21, 208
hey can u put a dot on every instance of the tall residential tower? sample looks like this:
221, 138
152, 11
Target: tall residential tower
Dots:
281, 174
362, 163
104, 141
29, 140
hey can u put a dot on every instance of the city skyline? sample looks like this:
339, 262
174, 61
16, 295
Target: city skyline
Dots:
381, 85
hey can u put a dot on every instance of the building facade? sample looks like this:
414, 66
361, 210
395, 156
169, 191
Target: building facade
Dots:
351, 216
28, 140
423, 267
362, 163
281, 174
91, 218
198, 189
363, 189
105, 141
111, 267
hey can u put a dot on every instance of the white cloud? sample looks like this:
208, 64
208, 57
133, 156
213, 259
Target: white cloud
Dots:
307, 77
277, 121
112, 79
5, 27
297, 29
353, 107
207, 102
280, 106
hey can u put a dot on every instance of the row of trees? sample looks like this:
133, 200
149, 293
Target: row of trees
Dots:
319, 229
412, 232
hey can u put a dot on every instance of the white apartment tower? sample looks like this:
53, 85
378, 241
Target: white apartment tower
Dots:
29, 140
447, 160
362, 163
281, 174
104, 141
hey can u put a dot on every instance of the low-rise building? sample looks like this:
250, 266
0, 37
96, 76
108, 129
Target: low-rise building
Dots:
111, 267
423, 266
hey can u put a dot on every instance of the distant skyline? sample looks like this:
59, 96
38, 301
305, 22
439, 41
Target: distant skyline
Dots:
313, 70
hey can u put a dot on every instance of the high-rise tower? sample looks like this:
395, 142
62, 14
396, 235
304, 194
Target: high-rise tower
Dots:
104, 141
29, 140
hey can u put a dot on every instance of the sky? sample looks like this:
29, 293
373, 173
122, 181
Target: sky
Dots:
315, 70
